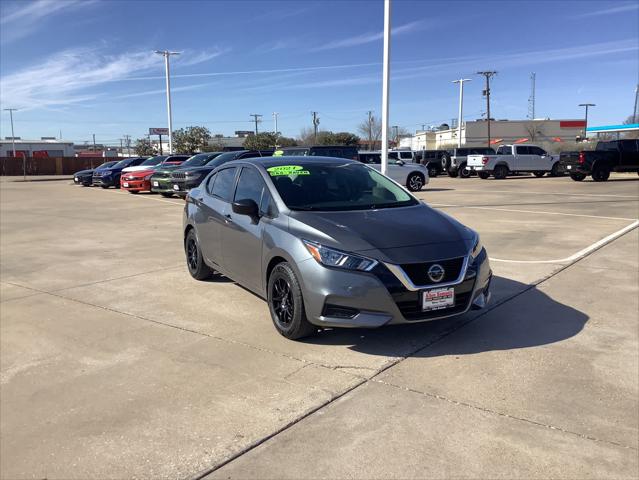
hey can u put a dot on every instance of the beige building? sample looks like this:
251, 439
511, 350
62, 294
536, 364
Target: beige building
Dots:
475, 133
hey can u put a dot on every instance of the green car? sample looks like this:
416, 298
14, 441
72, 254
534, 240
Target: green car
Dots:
161, 179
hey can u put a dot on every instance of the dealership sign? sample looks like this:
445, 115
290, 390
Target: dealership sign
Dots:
158, 131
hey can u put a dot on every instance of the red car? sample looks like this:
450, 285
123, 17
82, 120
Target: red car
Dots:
136, 182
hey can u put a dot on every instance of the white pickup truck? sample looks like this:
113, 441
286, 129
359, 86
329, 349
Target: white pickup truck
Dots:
514, 159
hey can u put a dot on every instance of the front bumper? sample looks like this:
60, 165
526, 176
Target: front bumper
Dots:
105, 181
181, 187
161, 185
82, 180
339, 298
136, 185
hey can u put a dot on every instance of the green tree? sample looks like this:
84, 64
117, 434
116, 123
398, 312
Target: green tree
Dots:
261, 141
143, 147
286, 142
191, 140
345, 138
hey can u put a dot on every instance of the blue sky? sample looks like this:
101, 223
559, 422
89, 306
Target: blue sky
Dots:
86, 66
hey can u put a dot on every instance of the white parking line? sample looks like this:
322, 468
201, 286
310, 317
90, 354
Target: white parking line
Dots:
533, 211
580, 253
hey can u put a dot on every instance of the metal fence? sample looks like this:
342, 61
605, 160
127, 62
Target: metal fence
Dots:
49, 166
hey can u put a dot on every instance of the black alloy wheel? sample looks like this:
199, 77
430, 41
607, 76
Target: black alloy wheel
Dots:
501, 171
464, 171
415, 182
600, 173
577, 177
286, 303
194, 261
483, 175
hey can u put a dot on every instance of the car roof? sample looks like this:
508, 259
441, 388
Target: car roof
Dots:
267, 162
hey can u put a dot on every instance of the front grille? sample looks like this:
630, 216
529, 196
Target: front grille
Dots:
410, 306
178, 176
161, 175
418, 272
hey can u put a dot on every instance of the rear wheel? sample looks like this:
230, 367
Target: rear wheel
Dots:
453, 173
432, 172
166, 194
501, 171
600, 173
104, 186
577, 177
194, 261
554, 171
483, 175
539, 174
415, 182
286, 304
446, 163
464, 171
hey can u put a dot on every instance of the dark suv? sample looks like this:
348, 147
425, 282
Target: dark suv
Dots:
184, 179
339, 151
110, 177
432, 160
454, 160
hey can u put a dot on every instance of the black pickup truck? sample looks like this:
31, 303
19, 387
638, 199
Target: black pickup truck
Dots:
612, 156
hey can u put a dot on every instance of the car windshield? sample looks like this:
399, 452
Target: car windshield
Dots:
153, 160
197, 160
336, 186
223, 158
107, 164
122, 163
294, 152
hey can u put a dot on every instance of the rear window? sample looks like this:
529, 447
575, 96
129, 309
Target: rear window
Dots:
504, 150
295, 151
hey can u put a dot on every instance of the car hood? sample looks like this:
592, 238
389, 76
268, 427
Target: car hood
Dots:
84, 172
138, 173
396, 235
166, 168
137, 167
203, 169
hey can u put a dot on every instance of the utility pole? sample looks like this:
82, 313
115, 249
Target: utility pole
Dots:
13, 137
257, 118
166, 54
127, 139
121, 148
586, 117
370, 130
316, 122
488, 75
635, 114
531, 99
386, 83
94, 148
461, 108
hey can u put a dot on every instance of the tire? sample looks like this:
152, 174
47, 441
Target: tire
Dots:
600, 173
539, 174
445, 162
463, 171
500, 172
194, 261
433, 172
166, 194
554, 171
577, 177
483, 175
453, 173
415, 182
104, 186
286, 304
135, 192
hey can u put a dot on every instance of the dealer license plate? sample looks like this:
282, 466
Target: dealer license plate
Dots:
156, 184
176, 187
438, 299
125, 184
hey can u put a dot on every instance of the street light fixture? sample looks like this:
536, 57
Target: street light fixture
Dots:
461, 103
586, 117
166, 54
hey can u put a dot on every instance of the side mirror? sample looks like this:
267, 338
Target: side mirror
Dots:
246, 207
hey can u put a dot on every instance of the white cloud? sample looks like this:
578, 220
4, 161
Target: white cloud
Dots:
160, 91
25, 19
629, 7
190, 57
369, 37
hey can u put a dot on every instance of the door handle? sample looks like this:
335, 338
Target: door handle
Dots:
227, 218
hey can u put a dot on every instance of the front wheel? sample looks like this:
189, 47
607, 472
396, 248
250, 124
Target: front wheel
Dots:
134, 191
539, 174
483, 175
577, 177
452, 173
286, 304
432, 172
194, 260
554, 171
104, 186
600, 173
415, 182
501, 171
464, 171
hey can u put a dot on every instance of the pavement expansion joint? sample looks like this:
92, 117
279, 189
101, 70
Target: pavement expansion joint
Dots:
502, 414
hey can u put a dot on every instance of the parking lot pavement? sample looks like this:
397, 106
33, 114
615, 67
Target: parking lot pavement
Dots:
115, 363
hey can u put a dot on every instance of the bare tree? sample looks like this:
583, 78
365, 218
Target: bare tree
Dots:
371, 129
534, 130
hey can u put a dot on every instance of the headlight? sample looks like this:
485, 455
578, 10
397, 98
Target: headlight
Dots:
330, 257
148, 177
477, 247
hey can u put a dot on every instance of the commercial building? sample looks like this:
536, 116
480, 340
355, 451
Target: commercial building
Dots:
42, 148
475, 133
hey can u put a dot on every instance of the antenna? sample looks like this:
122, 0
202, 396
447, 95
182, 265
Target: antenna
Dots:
531, 99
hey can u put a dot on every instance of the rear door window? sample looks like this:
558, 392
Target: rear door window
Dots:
250, 186
223, 185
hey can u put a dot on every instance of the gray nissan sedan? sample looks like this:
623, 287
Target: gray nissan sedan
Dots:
332, 243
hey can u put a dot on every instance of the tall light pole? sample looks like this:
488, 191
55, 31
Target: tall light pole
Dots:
586, 117
275, 114
461, 108
166, 54
13, 144
385, 84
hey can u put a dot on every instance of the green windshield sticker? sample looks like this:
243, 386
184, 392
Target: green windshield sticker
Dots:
287, 170
278, 153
